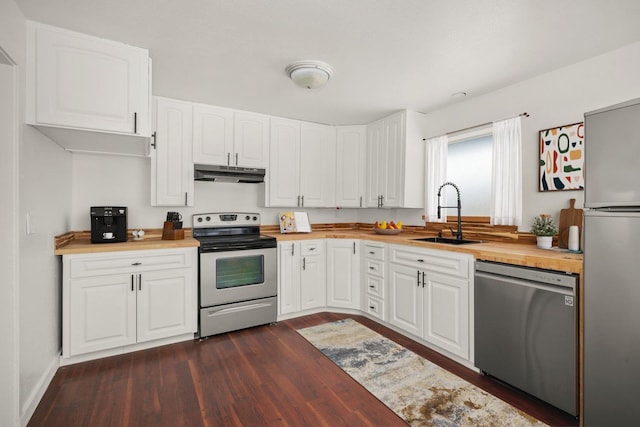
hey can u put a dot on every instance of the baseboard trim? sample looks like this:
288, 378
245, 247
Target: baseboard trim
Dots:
32, 402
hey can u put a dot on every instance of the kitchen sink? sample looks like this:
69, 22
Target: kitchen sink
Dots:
447, 241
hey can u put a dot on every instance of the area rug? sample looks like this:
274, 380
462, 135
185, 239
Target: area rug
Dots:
420, 392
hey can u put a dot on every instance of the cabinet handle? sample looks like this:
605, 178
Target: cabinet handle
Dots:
423, 279
372, 286
381, 201
132, 282
135, 122
360, 201
293, 246
418, 278
378, 201
420, 260
154, 143
372, 252
298, 202
137, 263
236, 159
304, 263
139, 282
186, 198
312, 249
372, 268
372, 308
228, 159
302, 201
354, 248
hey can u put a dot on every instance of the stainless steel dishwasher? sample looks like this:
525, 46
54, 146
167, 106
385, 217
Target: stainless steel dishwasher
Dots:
525, 330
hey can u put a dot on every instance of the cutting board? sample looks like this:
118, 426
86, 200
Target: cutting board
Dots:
569, 217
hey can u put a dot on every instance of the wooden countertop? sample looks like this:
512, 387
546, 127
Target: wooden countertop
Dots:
79, 242
510, 253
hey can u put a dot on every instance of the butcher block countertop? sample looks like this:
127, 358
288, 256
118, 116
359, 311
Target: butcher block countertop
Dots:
79, 242
510, 253
525, 254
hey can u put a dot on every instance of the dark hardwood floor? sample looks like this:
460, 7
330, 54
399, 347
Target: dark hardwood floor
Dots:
263, 376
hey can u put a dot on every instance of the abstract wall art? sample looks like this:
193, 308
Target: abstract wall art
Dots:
562, 158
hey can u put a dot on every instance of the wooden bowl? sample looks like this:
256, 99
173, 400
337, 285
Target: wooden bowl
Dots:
387, 230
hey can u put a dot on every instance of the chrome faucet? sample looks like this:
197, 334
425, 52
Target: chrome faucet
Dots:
458, 232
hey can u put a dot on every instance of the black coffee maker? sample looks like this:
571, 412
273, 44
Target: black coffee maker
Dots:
108, 224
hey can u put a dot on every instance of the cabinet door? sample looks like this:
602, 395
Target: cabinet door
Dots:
102, 313
171, 159
343, 273
89, 83
393, 154
405, 298
251, 140
317, 165
376, 172
313, 274
166, 304
446, 313
288, 277
212, 135
350, 166
284, 163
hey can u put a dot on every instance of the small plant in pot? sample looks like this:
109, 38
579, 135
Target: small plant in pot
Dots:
544, 229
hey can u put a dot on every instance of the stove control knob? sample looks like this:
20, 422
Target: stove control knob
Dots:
255, 218
200, 219
208, 218
247, 217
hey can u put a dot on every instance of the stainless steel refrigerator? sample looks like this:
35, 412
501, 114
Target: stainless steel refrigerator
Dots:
612, 266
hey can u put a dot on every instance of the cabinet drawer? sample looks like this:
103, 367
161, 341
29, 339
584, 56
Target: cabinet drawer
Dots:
374, 307
129, 261
374, 286
311, 247
373, 267
437, 261
374, 251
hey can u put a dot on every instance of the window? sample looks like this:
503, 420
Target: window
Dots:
469, 167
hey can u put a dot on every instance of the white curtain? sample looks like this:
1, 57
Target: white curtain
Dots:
436, 174
506, 194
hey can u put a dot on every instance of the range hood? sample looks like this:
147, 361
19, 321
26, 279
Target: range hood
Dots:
228, 174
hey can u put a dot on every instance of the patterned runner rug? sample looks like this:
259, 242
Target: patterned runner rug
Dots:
420, 392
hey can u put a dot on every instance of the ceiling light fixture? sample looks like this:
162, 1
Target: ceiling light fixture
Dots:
309, 74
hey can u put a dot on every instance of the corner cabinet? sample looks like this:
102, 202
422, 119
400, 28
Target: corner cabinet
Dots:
395, 161
351, 142
302, 164
171, 153
115, 300
80, 82
429, 296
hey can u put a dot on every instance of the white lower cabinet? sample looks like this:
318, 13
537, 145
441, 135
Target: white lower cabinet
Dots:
343, 273
301, 275
429, 296
116, 299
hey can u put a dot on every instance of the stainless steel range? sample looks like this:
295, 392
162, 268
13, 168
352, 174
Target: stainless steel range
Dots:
237, 277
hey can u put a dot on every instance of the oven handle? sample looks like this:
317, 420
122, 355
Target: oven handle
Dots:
221, 311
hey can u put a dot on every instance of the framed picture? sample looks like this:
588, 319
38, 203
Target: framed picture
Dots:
562, 158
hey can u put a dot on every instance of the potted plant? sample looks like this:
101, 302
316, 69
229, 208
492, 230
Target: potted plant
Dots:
544, 229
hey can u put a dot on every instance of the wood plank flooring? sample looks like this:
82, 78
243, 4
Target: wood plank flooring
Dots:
263, 376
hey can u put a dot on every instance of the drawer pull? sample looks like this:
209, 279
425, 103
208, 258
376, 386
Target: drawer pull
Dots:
372, 252
312, 249
420, 260
137, 263
372, 308
372, 286
372, 268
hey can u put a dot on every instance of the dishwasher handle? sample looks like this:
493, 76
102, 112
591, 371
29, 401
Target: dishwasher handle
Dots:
563, 290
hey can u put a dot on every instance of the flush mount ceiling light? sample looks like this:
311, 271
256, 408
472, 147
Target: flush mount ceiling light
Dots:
309, 74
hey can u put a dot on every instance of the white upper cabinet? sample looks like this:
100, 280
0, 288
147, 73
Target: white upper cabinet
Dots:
171, 155
302, 164
395, 161
212, 135
230, 138
350, 166
87, 83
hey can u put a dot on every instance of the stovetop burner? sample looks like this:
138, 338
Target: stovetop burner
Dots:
230, 231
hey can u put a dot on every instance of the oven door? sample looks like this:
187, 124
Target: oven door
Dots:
233, 276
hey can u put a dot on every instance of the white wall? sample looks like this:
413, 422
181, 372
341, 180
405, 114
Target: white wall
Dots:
557, 98
44, 182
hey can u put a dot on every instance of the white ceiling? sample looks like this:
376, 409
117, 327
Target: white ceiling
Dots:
387, 54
